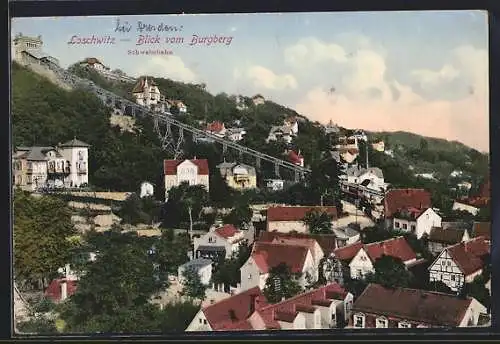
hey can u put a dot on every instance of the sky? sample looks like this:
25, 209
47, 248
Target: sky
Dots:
422, 72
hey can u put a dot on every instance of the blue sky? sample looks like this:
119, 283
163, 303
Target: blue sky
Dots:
425, 72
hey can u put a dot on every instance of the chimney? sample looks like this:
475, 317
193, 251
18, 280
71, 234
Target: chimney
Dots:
64, 290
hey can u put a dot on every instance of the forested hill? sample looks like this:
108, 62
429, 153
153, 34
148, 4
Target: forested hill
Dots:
44, 114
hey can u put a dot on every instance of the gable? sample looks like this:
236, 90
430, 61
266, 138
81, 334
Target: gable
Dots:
437, 265
361, 258
186, 164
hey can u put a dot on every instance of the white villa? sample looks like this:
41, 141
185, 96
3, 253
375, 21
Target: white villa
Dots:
146, 92
416, 221
194, 172
65, 165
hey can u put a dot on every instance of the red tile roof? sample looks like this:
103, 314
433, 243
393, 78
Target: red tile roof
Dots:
395, 247
269, 255
398, 199
295, 158
170, 166
410, 212
215, 127
328, 242
468, 255
139, 87
91, 61
224, 314
476, 201
227, 231
296, 213
307, 302
420, 306
446, 236
53, 291
482, 229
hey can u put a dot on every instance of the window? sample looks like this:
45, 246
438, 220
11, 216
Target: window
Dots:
204, 321
448, 263
396, 224
413, 228
404, 324
359, 272
201, 321
359, 320
453, 277
443, 262
381, 323
405, 226
249, 276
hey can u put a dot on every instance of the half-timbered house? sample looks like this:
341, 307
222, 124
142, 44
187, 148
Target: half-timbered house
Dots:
460, 263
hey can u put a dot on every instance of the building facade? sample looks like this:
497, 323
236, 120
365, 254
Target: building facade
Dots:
193, 172
65, 165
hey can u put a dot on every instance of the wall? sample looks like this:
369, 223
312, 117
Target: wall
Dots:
360, 265
426, 221
249, 275
286, 226
443, 268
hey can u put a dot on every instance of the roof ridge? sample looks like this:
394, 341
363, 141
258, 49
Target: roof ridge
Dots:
248, 291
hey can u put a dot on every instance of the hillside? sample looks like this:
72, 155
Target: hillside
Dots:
45, 114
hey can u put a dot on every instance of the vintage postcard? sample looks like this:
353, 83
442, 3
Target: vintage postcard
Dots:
251, 172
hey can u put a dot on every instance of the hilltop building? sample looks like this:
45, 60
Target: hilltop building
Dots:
26, 49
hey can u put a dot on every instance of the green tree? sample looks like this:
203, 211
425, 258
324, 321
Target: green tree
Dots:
374, 234
281, 283
114, 293
171, 251
41, 226
228, 272
135, 210
193, 287
477, 289
240, 215
390, 272
177, 316
318, 222
185, 202
439, 286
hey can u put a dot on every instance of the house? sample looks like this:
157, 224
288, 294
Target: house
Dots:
280, 133
274, 184
235, 134
428, 176
397, 199
456, 173
194, 172
440, 238
322, 308
360, 258
217, 128
295, 158
464, 186
60, 289
378, 146
220, 242
371, 178
346, 236
146, 190
258, 100
201, 266
360, 135
331, 128
265, 256
380, 307
181, 107
146, 92
327, 242
465, 205
221, 315
482, 229
292, 123
417, 221
238, 176
65, 165
287, 219
460, 263
349, 155
92, 62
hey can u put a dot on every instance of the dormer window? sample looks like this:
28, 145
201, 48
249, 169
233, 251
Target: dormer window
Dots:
359, 320
382, 322
404, 324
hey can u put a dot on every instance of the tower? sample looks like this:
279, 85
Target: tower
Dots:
76, 152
